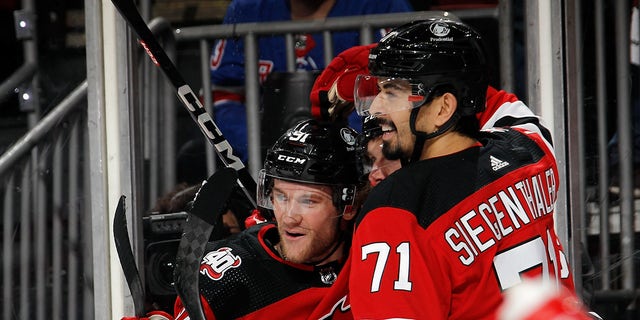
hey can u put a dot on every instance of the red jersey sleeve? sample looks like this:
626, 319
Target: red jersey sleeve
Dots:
504, 109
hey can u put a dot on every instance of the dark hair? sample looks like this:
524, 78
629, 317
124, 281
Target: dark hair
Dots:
177, 199
468, 126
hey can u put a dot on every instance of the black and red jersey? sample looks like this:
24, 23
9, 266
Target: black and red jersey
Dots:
243, 277
442, 238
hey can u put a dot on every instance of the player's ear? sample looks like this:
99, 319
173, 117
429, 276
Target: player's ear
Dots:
349, 212
447, 104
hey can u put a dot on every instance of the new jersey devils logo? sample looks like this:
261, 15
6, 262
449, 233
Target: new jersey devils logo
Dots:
216, 263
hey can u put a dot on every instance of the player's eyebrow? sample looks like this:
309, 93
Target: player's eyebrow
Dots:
391, 84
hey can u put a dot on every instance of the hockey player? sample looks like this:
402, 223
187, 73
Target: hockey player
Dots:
471, 211
281, 270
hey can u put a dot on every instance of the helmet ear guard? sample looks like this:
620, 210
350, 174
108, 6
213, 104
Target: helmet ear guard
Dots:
344, 197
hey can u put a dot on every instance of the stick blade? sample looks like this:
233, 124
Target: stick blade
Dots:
127, 259
210, 202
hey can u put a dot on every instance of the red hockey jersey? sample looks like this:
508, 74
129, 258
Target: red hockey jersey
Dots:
242, 277
443, 238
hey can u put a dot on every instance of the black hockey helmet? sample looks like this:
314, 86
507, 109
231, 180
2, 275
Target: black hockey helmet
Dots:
428, 54
316, 153
370, 128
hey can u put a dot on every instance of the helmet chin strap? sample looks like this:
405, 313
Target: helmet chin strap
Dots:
422, 137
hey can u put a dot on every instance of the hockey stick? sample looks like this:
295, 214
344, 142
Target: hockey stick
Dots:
130, 13
209, 204
127, 260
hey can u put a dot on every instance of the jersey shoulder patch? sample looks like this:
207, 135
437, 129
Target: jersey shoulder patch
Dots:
217, 262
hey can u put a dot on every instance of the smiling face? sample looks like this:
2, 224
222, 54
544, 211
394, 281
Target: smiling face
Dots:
392, 108
307, 220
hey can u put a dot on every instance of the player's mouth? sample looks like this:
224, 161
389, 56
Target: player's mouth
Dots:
388, 128
293, 235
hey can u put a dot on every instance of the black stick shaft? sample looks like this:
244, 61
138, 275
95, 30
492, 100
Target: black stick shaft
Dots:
130, 13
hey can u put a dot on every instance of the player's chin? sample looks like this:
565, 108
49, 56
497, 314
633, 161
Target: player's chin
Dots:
297, 256
295, 250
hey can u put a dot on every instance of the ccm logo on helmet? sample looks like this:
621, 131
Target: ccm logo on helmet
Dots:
290, 159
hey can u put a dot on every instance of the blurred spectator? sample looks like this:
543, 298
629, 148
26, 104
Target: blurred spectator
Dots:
227, 63
227, 58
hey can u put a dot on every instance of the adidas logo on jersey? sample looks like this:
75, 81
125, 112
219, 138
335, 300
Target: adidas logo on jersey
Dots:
497, 164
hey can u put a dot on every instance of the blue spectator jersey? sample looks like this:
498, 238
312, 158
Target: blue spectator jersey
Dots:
227, 57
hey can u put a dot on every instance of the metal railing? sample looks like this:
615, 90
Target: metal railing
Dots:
46, 263
251, 32
611, 231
